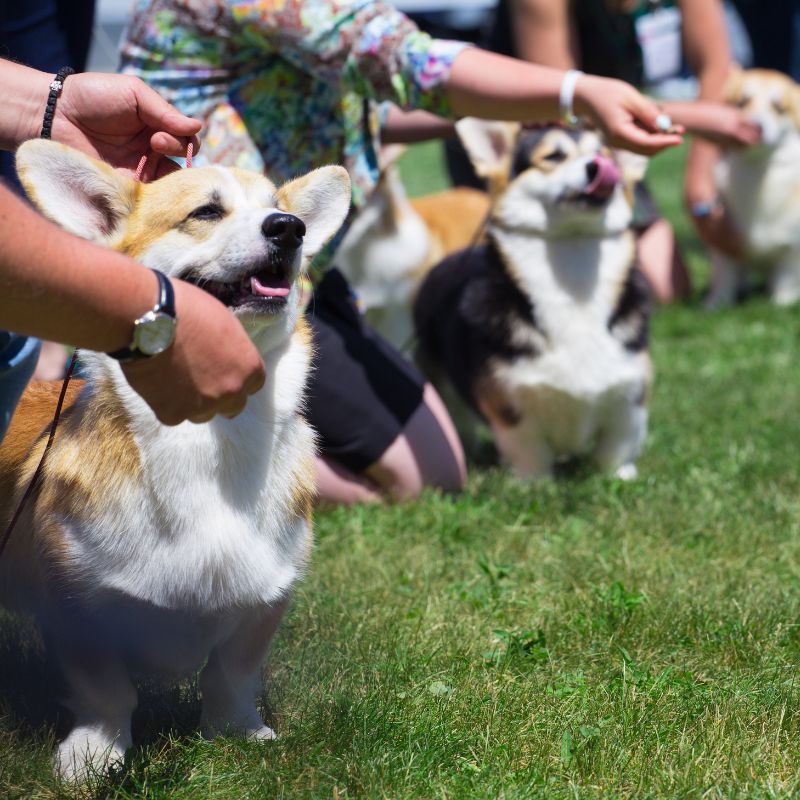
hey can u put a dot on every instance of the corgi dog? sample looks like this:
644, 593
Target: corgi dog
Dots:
165, 549
543, 331
395, 240
760, 188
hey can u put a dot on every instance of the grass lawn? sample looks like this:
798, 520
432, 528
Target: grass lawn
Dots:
581, 639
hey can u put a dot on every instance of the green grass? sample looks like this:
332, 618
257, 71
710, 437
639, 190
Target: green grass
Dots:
583, 639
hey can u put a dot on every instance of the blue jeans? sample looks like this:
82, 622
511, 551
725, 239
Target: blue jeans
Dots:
18, 357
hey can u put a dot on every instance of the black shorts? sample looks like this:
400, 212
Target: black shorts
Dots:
362, 391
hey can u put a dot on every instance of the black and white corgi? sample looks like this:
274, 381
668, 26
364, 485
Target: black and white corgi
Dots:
544, 330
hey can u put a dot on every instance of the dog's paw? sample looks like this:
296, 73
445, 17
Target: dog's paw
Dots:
87, 752
248, 726
627, 472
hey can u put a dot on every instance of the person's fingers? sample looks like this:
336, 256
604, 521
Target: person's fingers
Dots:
157, 113
201, 418
633, 137
169, 145
256, 381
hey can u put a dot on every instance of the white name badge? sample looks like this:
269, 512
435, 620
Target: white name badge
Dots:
659, 35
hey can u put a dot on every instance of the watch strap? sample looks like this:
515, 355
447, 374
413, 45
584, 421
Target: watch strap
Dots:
165, 305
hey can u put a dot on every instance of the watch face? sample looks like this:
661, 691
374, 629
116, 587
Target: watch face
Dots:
154, 333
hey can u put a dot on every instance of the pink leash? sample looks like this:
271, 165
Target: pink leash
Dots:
143, 161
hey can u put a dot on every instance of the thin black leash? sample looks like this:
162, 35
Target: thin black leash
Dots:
36, 475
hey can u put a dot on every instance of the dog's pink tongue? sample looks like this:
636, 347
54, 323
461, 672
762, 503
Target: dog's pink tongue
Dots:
280, 289
606, 178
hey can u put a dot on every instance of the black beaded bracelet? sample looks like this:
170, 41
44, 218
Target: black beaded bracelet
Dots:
55, 92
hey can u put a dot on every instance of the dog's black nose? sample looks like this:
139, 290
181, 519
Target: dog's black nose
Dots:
591, 170
284, 230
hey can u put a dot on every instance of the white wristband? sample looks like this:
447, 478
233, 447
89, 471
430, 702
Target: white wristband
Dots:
566, 97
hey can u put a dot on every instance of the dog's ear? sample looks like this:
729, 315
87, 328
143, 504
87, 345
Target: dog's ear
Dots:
81, 194
321, 199
489, 145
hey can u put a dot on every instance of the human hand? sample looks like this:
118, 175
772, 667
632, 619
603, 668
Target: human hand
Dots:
711, 219
119, 118
211, 368
719, 123
626, 118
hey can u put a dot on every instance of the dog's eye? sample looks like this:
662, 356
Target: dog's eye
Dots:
555, 156
208, 212
742, 101
780, 106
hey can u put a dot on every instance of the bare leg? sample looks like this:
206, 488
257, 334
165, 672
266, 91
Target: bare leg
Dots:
232, 677
102, 699
661, 262
52, 365
337, 485
427, 453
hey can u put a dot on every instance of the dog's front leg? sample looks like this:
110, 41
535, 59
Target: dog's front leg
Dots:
102, 699
524, 448
784, 283
726, 280
232, 677
621, 439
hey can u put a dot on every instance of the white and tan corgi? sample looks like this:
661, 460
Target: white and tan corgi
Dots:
160, 548
395, 240
760, 188
544, 329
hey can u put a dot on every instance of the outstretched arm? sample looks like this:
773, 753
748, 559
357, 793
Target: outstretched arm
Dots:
492, 86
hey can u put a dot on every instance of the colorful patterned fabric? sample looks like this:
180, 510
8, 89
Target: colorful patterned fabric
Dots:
288, 85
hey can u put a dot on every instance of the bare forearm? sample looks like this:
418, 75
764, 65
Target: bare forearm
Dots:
56, 286
542, 32
705, 39
405, 127
25, 93
491, 86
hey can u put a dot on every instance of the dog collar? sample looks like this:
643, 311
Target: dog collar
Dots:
154, 331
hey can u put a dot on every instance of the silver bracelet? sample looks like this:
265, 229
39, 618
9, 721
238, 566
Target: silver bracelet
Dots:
567, 95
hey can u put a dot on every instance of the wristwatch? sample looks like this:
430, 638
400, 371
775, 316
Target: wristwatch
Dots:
154, 331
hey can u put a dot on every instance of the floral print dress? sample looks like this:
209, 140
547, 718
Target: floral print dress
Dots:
284, 86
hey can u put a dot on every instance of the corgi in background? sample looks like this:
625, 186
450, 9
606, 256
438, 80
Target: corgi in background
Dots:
154, 548
395, 240
543, 330
760, 188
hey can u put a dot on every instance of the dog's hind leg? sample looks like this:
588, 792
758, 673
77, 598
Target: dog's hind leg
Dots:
232, 678
620, 441
102, 699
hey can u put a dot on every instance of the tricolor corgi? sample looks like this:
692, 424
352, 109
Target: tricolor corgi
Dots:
543, 331
760, 188
156, 548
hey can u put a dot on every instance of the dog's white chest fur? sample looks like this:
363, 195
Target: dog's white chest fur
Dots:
205, 525
573, 388
761, 191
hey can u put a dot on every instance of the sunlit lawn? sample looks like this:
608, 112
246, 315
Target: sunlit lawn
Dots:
585, 638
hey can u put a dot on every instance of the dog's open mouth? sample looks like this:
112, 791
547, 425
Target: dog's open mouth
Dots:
264, 290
